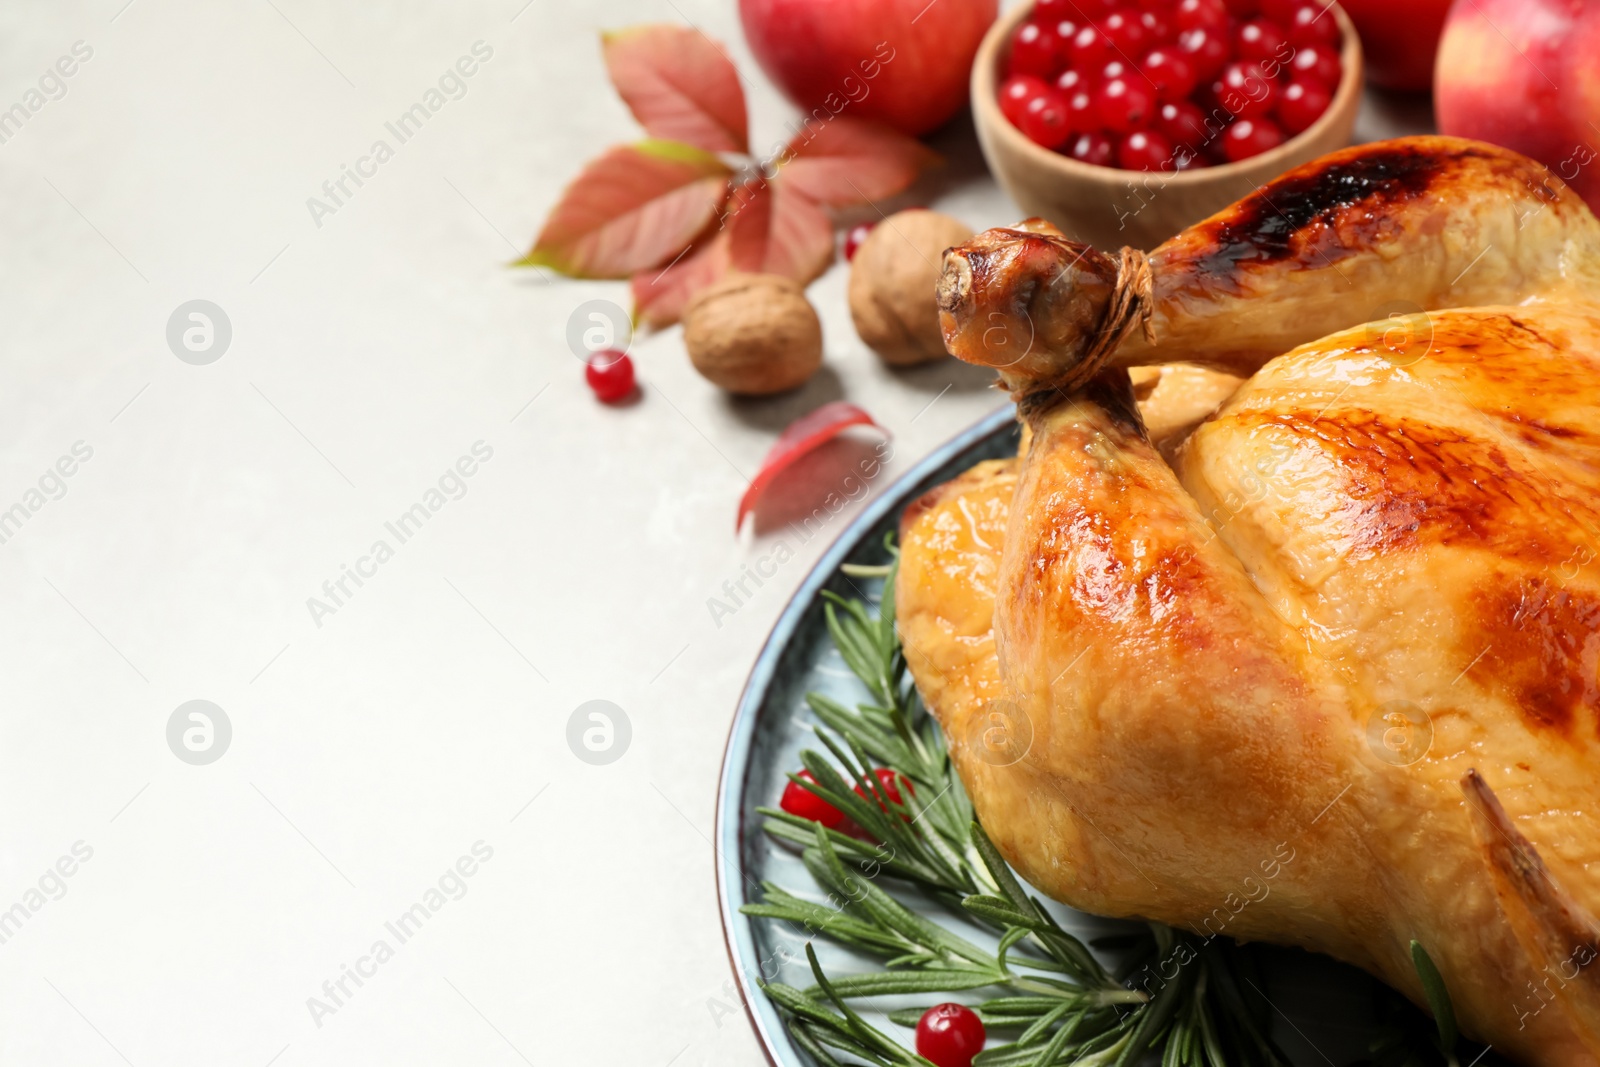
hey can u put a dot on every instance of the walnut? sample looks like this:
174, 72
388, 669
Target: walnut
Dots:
753, 334
892, 281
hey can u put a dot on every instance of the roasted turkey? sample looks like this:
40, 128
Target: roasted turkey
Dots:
1321, 665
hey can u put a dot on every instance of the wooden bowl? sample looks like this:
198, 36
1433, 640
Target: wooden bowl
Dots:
1107, 207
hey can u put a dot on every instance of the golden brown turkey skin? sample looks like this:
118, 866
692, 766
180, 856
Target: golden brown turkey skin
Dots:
1374, 576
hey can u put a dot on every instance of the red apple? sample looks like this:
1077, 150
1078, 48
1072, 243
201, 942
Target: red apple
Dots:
903, 62
1398, 40
1521, 73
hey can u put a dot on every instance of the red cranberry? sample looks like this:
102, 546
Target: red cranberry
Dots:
1158, 28
1116, 68
1302, 103
610, 375
1313, 24
1062, 31
1245, 90
798, 800
1259, 40
1200, 14
889, 783
1124, 103
1170, 72
853, 238
1033, 51
1144, 150
1095, 148
1315, 61
1250, 137
1072, 80
1015, 92
1182, 123
1242, 9
1090, 49
1050, 10
1207, 51
1045, 121
1082, 115
950, 1035
1124, 30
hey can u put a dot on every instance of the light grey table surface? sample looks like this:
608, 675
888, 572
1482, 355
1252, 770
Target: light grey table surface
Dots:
376, 744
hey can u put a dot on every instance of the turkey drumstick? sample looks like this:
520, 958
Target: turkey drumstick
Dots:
1411, 225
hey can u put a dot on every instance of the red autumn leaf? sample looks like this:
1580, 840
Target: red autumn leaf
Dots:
635, 207
766, 229
660, 295
852, 161
776, 230
679, 85
801, 437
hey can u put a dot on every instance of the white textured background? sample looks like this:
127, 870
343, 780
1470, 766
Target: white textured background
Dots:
367, 355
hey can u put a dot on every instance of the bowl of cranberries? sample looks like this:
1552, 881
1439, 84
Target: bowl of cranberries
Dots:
1124, 121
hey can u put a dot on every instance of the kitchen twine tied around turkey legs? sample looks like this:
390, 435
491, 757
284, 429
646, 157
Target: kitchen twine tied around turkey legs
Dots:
1132, 302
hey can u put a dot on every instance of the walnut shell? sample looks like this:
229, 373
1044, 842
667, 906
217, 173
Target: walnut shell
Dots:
753, 334
892, 281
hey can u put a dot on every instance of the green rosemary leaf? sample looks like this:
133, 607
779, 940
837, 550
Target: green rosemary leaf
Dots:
1153, 1018
795, 1002
854, 1048
929, 980
1058, 1042
1172, 1054
876, 738
998, 910
1236, 1008
832, 787
1019, 1005
805, 1037
1042, 1025
855, 646
920, 958
798, 831
1014, 1055
1008, 1055
998, 869
896, 916
1208, 1040
1012, 935
859, 1028
1433, 988
836, 924
1066, 949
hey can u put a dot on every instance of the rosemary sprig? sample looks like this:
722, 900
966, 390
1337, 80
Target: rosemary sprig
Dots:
1045, 990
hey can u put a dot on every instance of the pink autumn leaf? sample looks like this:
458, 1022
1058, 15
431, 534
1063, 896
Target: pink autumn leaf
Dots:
802, 437
775, 230
635, 207
679, 85
852, 161
661, 293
